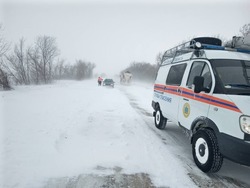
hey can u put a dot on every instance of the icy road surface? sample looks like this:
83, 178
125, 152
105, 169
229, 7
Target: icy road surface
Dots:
76, 134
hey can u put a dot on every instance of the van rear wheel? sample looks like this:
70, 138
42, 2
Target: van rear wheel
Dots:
160, 120
206, 152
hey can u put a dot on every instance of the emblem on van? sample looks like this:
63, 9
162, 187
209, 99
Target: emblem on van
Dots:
186, 110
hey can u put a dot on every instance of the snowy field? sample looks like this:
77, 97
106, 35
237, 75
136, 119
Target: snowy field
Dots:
53, 134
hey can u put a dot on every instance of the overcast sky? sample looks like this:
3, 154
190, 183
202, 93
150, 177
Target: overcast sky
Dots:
114, 33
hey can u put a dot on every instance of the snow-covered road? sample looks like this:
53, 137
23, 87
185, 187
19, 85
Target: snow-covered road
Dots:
76, 134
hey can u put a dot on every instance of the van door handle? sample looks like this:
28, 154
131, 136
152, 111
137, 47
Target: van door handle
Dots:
185, 99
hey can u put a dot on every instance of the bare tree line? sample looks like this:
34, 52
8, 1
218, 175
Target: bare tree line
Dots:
245, 30
37, 64
78, 71
32, 65
4, 47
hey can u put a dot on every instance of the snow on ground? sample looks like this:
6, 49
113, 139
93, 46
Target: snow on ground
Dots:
72, 128
78, 134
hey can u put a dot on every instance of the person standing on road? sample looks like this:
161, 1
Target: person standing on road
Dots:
99, 81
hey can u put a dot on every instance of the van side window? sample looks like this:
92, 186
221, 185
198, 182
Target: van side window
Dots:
207, 78
175, 74
195, 71
200, 69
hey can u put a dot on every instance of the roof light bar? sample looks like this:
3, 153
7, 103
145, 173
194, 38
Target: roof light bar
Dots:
243, 50
212, 47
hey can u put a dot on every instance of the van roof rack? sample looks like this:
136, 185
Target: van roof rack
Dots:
209, 43
190, 46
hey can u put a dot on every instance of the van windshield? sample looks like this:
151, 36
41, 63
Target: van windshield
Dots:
232, 76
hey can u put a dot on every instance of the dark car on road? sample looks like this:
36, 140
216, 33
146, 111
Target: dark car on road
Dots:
108, 82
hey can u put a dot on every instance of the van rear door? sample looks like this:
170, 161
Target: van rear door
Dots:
172, 90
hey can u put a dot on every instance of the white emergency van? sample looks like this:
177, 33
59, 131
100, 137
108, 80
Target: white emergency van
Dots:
204, 88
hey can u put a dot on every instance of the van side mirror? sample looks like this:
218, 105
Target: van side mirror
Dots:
198, 84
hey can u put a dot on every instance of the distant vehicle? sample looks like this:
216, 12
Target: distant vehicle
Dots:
108, 82
239, 42
126, 77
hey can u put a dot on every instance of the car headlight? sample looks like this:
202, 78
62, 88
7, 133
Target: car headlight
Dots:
245, 124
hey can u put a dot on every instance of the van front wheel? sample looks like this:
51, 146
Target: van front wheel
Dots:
206, 152
160, 121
